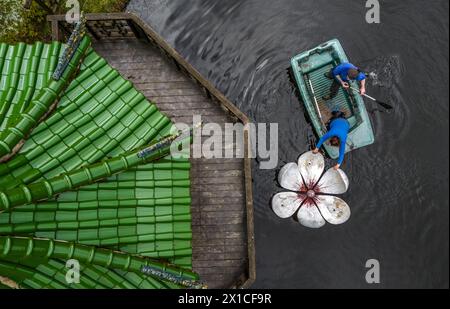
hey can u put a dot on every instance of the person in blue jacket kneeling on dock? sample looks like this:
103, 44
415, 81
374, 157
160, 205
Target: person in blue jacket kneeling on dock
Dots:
341, 75
337, 132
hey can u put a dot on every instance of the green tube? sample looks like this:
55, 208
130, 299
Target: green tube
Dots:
26, 247
81, 144
46, 189
38, 107
52, 274
3, 50
13, 79
32, 90
22, 86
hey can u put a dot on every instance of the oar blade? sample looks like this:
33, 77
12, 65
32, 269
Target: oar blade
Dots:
385, 105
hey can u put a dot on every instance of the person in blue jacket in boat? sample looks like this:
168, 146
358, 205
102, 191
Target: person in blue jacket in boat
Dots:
338, 129
341, 75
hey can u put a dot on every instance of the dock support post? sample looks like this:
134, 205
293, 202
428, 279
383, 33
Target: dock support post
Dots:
55, 30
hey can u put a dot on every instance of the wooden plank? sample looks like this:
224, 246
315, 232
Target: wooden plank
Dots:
155, 73
220, 249
213, 271
215, 161
207, 232
224, 215
233, 242
224, 166
236, 206
129, 63
121, 64
211, 233
206, 118
219, 221
227, 227
166, 107
234, 201
220, 190
215, 174
222, 207
230, 187
209, 256
160, 85
187, 99
173, 92
145, 58
250, 212
216, 181
218, 263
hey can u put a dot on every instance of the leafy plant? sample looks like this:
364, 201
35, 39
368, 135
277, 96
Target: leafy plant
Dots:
10, 15
21, 25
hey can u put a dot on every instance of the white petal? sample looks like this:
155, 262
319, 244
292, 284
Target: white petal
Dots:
285, 204
290, 178
333, 182
333, 209
311, 167
309, 216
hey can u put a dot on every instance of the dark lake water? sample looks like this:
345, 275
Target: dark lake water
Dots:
398, 187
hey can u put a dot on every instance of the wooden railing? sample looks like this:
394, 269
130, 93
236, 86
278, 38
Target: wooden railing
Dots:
111, 26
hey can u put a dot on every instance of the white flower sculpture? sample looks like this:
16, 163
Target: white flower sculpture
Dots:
312, 193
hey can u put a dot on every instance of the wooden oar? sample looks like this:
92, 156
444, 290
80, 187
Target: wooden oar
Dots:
385, 105
311, 87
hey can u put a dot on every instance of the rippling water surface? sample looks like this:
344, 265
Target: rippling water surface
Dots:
398, 186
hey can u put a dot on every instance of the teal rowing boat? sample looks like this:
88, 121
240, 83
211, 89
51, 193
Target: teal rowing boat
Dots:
309, 69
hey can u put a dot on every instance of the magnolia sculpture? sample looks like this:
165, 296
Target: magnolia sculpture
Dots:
312, 192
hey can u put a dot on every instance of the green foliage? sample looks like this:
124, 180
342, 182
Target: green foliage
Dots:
32, 27
100, 6
20, 25
28, 25
10, 16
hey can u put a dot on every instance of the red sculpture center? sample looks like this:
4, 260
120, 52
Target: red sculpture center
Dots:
311, 193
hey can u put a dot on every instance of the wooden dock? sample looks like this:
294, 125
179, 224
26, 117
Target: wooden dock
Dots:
221, 189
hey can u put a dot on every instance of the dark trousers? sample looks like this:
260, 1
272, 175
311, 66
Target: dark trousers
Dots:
335, 86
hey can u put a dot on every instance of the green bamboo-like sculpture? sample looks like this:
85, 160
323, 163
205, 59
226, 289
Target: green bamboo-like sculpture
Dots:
27, 247
46, 189
11, 82
40, 106
29, 75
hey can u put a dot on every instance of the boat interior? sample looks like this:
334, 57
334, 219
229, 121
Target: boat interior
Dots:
321, 87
